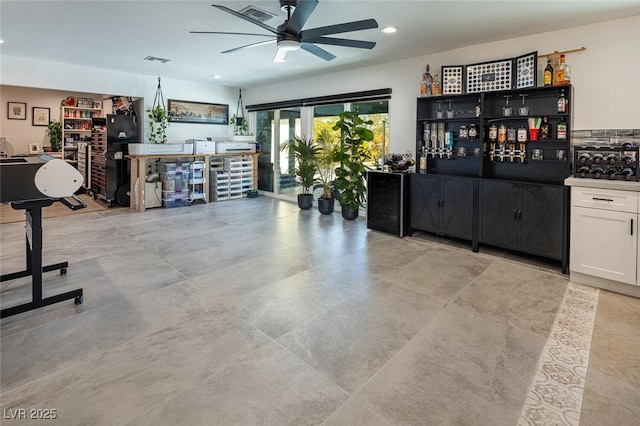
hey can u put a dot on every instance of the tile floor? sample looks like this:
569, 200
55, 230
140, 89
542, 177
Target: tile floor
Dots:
252, 312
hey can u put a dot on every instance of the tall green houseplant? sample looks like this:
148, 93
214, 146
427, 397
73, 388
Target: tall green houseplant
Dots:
325, 163
304, 151
350, 174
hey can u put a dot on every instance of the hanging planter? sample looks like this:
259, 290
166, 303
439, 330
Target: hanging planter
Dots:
158, 118
240, 125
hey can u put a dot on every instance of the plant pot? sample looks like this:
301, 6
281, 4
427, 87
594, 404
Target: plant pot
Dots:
349, 214
325, 205
305, 201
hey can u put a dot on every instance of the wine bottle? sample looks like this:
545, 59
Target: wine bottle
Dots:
597, 158
584, 157
627, 172
548, 74
597, 172
583, 171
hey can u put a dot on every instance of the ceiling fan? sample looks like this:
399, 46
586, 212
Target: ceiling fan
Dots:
290, 36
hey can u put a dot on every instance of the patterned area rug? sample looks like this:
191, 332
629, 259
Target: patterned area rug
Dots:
555, 395
9, 215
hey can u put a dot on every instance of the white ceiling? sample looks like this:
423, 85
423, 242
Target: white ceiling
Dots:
119, 34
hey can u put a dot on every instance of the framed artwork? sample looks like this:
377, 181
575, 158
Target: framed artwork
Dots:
526, 70
452, 79
17, 110
40, 116
85, 103
490, 76
34, 148
197, 112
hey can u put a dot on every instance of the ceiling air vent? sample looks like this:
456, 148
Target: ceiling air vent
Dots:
256, 14
155, 58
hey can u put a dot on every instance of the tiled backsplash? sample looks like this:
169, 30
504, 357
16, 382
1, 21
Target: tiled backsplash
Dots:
603, 137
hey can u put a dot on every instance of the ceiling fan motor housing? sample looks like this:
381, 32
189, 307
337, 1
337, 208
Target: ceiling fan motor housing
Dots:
288, 5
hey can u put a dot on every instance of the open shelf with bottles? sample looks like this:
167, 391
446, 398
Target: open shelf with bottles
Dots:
76, 127
529, 171
443, 121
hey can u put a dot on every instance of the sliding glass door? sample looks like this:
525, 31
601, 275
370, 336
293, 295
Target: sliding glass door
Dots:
274, 128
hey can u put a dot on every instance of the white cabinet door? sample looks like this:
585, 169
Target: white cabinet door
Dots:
604, 244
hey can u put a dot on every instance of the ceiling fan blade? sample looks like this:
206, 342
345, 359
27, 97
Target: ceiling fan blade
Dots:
321, 53
224, 32
300, 16
339, 28
342, 42
246, 18
246, 46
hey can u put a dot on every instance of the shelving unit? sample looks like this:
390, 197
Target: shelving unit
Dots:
76, 127
98, 158
492, 194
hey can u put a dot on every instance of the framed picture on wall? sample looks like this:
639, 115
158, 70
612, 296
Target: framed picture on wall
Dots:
490, 76
197, 112
526, 69
34, 148
16, 110
40, 116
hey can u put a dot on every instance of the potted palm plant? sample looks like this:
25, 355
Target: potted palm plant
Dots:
350, 174
304, 151
325, 163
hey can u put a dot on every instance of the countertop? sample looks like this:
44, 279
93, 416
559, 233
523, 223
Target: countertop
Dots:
603, 184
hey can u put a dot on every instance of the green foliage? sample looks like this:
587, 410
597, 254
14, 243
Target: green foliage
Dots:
158, 123
326, 160
351, 154
54, 129
304, 151
240, 125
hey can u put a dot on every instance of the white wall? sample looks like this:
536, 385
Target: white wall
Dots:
605, 77
19, 76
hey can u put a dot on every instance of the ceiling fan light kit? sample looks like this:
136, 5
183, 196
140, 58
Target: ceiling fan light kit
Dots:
290, 36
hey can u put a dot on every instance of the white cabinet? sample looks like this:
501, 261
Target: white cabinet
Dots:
604, 243
604, 234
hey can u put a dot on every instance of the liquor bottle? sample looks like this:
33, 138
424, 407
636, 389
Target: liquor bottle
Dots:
611, 159
548, 74
435, 88
473, 132
426, 85
478, 109
545, 129
612, 172
423, 160
563, 73
493, 132
561, 133
502, 133
563, 103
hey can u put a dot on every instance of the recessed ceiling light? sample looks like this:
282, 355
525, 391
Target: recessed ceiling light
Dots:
389, 30
1, 41
217, 76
